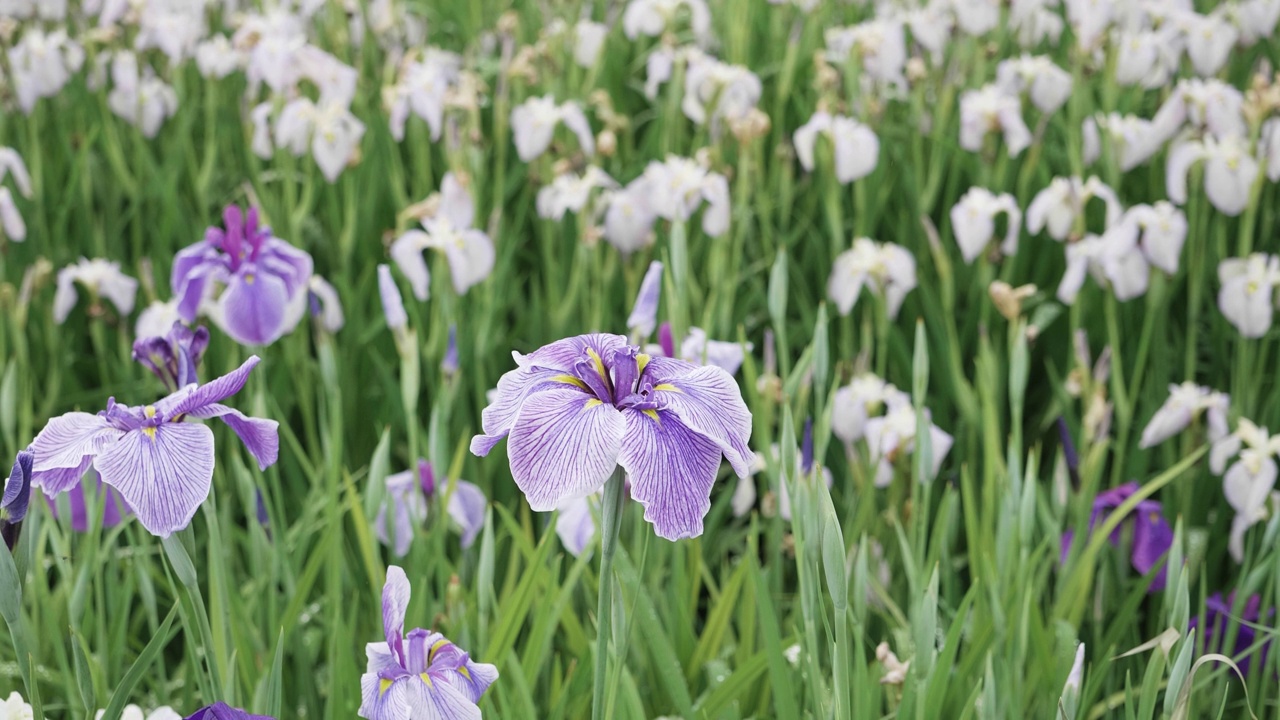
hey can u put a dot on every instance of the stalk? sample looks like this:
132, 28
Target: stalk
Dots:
610, 520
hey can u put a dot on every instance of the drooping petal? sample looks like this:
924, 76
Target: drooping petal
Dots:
708, 402
65, 448
471, 259
441, 699
1227, 182
500, 414
1181, 158
644, 314
261, 437
395, 604
563, 445
253, 307
194, 400
382, 698
672, 469
163, 473
406, 251
467, 507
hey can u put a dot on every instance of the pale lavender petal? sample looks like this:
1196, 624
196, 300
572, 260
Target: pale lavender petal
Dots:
563, 445
261, 437
253, 306
439, 700
644, 314
708, 401
392, 303
192, 266
196, 400
575, 525
564, 354
163, 473
456, 204
467, 507
672, 469
377, 703
64, 449
395, 604
498, 417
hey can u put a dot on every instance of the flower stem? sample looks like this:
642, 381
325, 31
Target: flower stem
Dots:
610, 520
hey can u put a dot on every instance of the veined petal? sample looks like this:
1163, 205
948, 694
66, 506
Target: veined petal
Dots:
435, 698
498, 417
672, 469
163, 473
198, 400
379, 703
563, 354
65, 449
253, 307
261, 437
395, 604
708, 401
563, 445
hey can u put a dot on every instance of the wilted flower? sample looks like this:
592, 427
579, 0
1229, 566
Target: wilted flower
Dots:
40, 65
886, 268
1247, 297
423, 85
571, 192
11, 223
469, 250
421, 674
579, 407
174, 356
1229, 171
1008, 299
644, 314
678, 185
1248, 482
1048, 85
1185, 402
1152, 536
716, 92
1056, 208
534, 124
162, 465
992, 109
973, 222
263, 279
409, 492
856, 147
102, 278
654, 17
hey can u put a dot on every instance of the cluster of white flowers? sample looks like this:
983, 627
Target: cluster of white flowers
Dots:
882, 417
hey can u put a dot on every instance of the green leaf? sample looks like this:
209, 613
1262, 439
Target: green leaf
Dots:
150, 653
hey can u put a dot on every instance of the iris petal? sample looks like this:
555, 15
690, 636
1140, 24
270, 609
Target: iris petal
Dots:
163, 475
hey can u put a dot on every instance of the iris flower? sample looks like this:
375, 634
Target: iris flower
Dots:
973, 221
133, 712
450, 230
265, 279
424, 82
857, 149
162, 465
1248, 295
174, 357
407, 495
421, 675
16, 498
1248, 482
885, 268
534, 123
1229, 171
1185, 402
879, 46
1152, 536
574, 410
1219, 613
1048, 85
102, 278
11, 224
223, 711
989, 109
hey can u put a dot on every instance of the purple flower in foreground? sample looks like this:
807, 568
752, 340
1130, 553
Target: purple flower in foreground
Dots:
223, 711
174, 357
114, 510
406, 503
265, 278
1218, 615
15, 498
1152, 536
161, 465
421, 675
579, 407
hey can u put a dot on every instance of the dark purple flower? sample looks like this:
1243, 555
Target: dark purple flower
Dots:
1218, 615
578, 408
16, 497
1152, 535
223, 711
161, 464
265, 279
115, 509
174, 357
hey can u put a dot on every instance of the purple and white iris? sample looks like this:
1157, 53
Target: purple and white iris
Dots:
408, 493
421, 675
576, 409
161, 465
265, 279
174, 357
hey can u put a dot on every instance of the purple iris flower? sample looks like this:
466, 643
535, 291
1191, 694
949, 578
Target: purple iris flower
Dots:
162, 465
16, 498
1152, 535
265, 279
421, 675
174, 357
579, 407
115, 510
406, 504
1217, 616
223, 711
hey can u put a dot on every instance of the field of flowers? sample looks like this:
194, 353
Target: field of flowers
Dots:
715, 359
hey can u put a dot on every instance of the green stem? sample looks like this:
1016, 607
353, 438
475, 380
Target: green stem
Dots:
610, 520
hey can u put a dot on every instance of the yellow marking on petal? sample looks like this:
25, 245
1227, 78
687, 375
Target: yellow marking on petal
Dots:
426, 679
667, 387
383, 686
570, 380
464, 672
248, 279
594, 402
150, 432
604, 374
642, 361
651, 413
435, 649
149, 411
